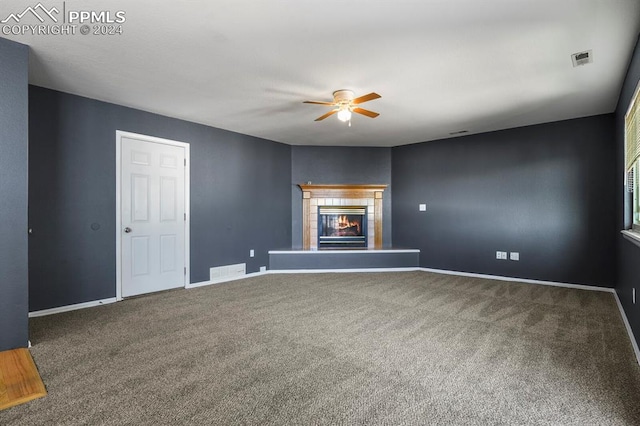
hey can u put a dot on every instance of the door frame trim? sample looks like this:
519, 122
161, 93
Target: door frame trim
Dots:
187, 201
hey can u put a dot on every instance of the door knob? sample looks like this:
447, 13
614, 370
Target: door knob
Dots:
127, 229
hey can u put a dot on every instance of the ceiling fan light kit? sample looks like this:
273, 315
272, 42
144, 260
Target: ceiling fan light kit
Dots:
344, 102
344, 115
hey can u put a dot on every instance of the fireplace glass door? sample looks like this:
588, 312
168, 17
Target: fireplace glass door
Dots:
342, 227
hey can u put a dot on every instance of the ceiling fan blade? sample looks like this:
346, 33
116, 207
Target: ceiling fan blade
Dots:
322, 117
318, 102
371, 96
366, 112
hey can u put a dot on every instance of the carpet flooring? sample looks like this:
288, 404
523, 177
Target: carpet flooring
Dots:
407, 348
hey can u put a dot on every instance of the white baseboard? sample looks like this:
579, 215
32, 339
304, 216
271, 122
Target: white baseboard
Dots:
343, 251
634, 343
339, 271
68, 308
521, 280
226, 279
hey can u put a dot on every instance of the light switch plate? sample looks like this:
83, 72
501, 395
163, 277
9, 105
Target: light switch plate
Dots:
514, 255
422, 207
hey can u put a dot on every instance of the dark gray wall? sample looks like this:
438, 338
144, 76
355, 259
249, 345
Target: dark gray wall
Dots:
240, 197
14, 142
339, 165
629, 254
545, 191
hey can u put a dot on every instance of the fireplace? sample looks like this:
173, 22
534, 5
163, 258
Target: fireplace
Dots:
342, 226
368, 198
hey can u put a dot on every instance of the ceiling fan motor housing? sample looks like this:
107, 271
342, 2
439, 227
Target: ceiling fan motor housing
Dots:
343, 96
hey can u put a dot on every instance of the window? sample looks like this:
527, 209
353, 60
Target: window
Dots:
632, 157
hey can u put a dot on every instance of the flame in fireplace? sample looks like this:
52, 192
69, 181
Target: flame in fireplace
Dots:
345, 223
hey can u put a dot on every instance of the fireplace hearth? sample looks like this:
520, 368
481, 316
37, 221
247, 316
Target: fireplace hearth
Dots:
342, 227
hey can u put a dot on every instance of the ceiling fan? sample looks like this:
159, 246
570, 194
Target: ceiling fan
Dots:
345, 103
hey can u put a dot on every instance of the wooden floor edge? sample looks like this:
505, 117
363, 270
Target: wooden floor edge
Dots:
20, 381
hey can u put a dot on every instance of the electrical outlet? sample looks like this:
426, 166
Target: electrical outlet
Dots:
514, 255
252, 253
263, 269
502, 255
422, 207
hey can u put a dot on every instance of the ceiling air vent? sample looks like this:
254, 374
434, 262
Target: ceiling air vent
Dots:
582, 58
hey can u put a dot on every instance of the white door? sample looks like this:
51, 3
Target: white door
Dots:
152, 215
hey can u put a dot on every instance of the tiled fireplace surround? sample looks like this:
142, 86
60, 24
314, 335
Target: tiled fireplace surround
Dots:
341, 195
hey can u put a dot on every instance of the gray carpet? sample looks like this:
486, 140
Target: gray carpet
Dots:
349, 349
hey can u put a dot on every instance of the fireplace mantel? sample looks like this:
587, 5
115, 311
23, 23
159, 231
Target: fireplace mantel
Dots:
352, 195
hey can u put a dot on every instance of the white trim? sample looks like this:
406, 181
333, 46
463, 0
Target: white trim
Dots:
340, 271
187, 203
522, 280
226, 279
118, 218
634, 343
632, 236
75, 307
309, 252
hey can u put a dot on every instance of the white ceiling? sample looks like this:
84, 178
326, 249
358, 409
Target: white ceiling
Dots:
441, 66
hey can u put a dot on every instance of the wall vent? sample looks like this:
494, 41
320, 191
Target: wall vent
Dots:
582, 58
224, 273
